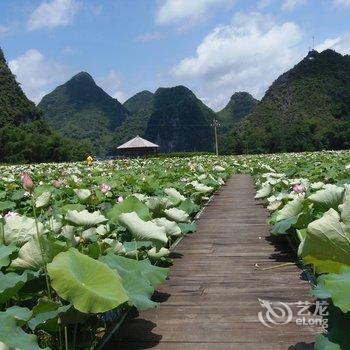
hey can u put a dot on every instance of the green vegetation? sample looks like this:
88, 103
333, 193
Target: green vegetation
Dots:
180, 121
24, 136
142, 100
82, 245
239, 106
174, 118
80, 110
308, 195
306, 108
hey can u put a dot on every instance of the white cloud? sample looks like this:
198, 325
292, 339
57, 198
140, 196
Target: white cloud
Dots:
56, 13
111, 83
174, 11
290, 5
341, 2
246, 55
37, 74
340, 44
144, 38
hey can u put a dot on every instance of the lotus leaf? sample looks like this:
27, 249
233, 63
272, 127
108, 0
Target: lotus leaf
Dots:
91, 286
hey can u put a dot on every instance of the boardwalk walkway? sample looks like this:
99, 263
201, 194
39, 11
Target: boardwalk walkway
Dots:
211, 299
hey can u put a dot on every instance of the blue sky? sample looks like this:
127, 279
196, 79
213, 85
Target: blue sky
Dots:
215, 47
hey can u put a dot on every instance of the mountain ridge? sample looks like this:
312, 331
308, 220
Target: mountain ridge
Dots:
311, 101
24, 134
80, 109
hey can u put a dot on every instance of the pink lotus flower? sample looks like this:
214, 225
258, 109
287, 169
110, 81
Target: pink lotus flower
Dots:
27, 182
57, 183
120, 199
298, 188
105, 188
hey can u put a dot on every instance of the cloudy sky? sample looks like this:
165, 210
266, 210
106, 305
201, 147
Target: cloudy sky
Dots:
214, 47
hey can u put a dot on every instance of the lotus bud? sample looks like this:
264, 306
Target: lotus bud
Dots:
27, 182
120, 199
105, 188
298, 188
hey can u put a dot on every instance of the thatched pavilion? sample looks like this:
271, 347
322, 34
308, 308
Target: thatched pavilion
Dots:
138, 147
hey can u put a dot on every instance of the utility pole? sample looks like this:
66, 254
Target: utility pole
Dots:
215, 125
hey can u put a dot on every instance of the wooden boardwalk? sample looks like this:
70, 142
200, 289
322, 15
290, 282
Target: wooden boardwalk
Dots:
211, 301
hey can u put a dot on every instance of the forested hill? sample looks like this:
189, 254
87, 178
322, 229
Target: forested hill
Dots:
172, 117
24, 135
179, 121
81, 110
15, 108
138, 102
306, 108
239, 106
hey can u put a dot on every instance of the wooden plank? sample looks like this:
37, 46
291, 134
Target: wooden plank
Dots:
211, 300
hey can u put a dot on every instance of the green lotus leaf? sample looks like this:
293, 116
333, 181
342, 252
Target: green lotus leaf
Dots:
345, 207
187, 227
5, 252
10, 284
13, 336
43, 200
281, 227
199, 187
135, 245
55, 225
219, 168
7, 205
29, 255
158, 204
130, 204
171, 227
44, 312
328, 197
82, 194
153, 254
154, 274
317, 185
138, 289
19, 313
91, 286
76, 206
323, 343
292, 208
143, 230
20, 229
189, 207
84, 218
177, 215
175, 195
264, 192
327, 243
335, 286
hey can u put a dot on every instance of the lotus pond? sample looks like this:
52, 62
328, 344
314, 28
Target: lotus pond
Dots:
80, 245
308, 196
